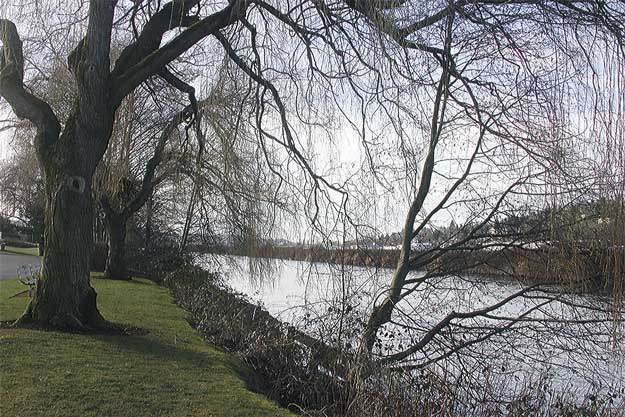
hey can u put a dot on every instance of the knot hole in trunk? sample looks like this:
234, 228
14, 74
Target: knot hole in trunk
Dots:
76, 184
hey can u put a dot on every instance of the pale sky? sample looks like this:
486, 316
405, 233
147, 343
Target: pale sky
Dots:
4, 136
4, 145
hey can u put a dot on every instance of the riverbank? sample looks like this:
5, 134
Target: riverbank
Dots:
312, 373
161, 368
304, 372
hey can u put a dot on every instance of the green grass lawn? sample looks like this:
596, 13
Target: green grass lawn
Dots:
168, 372
22, 251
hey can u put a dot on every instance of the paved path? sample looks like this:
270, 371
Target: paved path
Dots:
10, 261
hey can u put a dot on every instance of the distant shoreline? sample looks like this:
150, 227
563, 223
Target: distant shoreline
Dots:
588, 272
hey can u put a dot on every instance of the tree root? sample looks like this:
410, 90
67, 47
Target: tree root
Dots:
87, 318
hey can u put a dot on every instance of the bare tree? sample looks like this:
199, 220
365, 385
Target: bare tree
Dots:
382, 53
129, 196
521, 145
69, 153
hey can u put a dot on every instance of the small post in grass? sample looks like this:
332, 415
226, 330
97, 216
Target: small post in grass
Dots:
27, 274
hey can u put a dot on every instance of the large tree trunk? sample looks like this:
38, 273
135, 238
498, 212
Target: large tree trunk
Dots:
115, 265
64, 297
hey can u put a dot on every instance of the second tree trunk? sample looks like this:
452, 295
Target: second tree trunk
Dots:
115, 261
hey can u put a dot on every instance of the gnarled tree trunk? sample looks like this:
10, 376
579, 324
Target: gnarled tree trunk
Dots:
68, 155
64, 297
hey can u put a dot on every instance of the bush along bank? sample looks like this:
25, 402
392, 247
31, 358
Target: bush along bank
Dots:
299, 372
313, 378
293, 369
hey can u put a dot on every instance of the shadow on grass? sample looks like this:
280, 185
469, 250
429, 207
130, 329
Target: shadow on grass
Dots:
132, 280
120, 330
178, 353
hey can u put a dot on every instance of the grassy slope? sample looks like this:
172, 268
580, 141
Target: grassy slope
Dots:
168, 372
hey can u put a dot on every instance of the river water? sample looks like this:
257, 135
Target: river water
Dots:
574, 346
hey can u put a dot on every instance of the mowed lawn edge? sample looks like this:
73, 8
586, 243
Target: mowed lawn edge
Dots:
22, 251
170, 371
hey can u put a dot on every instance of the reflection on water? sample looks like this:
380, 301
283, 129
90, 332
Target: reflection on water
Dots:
565, 348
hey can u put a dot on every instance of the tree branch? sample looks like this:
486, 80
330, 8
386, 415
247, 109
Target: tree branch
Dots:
147, 184
24, 104
448, 319
129, 74
172, 15
190, 91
